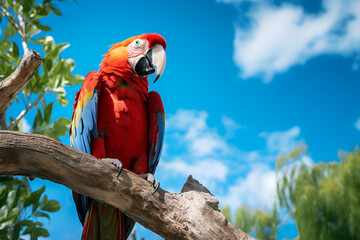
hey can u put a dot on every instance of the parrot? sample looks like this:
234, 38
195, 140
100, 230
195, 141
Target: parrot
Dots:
117, 120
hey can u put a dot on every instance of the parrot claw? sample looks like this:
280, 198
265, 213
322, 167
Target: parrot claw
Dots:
114, 162
150, 178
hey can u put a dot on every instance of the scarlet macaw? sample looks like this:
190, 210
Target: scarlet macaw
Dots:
116, 118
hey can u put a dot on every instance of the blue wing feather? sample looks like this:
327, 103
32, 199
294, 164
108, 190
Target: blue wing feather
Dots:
156, 130
84, 126
154, 159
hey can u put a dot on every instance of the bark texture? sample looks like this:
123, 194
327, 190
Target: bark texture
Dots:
19, 78
192, 214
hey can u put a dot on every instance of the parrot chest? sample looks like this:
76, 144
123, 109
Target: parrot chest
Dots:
123, 124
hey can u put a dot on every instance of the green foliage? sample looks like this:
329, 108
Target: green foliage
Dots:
55, 72
261, 223
325, 198
42, 122
21, 210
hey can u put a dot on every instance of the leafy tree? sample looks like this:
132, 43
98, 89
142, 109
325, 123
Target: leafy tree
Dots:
260, 223
55, 73
323, 199
21, 210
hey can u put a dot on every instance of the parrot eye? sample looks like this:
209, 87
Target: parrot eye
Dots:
137, 43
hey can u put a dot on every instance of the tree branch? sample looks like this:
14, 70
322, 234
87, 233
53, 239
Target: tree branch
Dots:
10, 19
22, 31
192, 214
19, 78
288, 214
25, 111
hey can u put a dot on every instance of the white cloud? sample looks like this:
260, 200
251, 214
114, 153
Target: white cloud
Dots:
235, 176
25, 126
307, 160
282, 141
280, 37
206, 171
191, 128
258, 188
357, 124
230, 126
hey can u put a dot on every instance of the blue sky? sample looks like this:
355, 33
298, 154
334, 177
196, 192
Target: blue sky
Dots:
244, 81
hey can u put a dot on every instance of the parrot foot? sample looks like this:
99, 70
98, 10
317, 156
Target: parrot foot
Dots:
114, 162
150, 178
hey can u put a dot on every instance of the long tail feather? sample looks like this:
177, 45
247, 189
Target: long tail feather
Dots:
104, 222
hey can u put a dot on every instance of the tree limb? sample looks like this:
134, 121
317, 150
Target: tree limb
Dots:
19, 78
192, 214
10, 19
22, 31
25, 111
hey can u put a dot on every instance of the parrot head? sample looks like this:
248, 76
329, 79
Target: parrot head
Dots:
140, 55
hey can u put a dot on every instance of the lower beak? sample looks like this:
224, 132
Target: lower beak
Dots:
154, 61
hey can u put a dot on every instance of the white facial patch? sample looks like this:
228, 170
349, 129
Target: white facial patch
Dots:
136, 50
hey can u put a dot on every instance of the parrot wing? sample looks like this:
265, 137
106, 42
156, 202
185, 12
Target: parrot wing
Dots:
83, 126
156, 116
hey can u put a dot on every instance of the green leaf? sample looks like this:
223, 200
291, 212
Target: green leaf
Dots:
41, 214
38, 121
40, 26
27, 5
4, 192
12, 215
27, 223
61, 126
73, 80
6, 179
40, 232
16, 232
43, 200
51, 206
16, 198
55, 10
226, 212
43, 11
15, 51
45, 28
34, 197
59, 90
62, 101
54, 53
45, 40
31, 31
35, 206
48, 65
47, 112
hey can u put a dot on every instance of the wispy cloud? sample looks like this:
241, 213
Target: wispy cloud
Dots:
257, 188
190, 127
281, 141
230, 126
25, 126
235, 176
357, 124
280, 37
206, 170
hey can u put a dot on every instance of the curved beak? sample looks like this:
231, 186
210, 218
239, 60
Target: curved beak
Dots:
158, 60
153, 61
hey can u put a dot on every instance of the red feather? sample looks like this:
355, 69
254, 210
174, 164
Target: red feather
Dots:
127, 128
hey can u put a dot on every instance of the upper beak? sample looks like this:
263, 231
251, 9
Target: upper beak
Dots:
158, 60
154, 61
